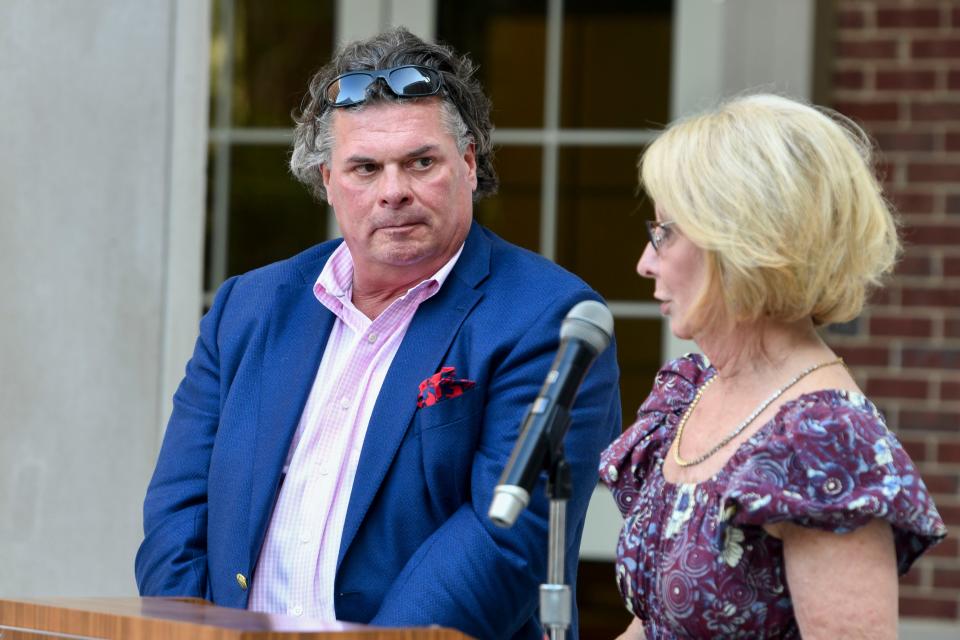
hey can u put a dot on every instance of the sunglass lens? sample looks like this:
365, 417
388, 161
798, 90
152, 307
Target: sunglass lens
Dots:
349, 89
410, 81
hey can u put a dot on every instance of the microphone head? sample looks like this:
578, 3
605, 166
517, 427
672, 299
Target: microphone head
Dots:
591, 322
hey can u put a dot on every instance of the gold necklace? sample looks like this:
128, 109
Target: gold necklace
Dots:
743, 425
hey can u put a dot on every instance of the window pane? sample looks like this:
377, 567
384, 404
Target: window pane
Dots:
514, 213
272, 216
616, 63
277, 48
639, 356
507, 40
600, 228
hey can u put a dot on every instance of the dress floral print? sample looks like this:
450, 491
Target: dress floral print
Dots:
694, 561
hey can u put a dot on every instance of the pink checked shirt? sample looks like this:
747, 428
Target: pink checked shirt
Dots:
295, 573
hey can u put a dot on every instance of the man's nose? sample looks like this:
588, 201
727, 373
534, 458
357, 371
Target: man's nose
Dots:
394, 188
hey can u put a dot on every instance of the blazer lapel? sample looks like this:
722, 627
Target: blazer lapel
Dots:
428, 338
296, 338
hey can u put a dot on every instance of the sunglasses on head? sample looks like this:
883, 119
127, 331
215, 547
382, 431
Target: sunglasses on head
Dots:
406, 81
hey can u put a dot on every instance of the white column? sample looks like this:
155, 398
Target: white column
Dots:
101, 198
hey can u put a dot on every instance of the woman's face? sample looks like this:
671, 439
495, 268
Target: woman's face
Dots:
678, 267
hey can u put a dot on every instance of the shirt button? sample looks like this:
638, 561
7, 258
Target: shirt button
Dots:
344, 403
323, 470
372, 337
296, 611
304, 537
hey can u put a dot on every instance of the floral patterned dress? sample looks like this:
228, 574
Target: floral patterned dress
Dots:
694, 561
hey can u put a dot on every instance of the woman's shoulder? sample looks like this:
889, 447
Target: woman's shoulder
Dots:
676, 383
626, 462
815, 413
830, 462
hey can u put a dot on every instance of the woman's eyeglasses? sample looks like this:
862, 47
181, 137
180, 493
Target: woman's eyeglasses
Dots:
659, 233
406, 81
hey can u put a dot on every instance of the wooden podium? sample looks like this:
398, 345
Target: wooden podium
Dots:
179, 619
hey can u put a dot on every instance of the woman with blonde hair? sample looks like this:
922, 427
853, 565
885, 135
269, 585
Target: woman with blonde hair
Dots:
762, 493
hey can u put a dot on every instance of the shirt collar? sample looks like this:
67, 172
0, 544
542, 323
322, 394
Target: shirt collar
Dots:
336, 278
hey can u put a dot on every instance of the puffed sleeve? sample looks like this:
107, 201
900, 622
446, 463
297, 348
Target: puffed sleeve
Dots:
831, 463
625, 463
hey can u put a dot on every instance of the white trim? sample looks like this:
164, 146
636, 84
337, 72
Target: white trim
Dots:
183, 277
419, 16
551, 124
357, 19
727, 47
631, 309
505, 137
918, 629
220, 227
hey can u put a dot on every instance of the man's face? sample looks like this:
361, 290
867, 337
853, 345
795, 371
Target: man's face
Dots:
402, 193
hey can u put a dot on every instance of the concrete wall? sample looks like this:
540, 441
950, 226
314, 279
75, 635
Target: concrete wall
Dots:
103, 112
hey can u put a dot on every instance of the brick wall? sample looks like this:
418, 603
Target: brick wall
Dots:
897, 71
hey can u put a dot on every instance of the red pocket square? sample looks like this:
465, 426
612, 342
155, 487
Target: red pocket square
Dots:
440, 386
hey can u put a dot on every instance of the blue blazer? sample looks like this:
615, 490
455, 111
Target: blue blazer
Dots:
417, 547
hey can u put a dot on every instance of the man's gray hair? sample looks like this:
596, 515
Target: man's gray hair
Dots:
465, 109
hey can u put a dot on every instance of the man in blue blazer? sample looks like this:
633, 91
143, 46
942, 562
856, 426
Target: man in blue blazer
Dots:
346, 414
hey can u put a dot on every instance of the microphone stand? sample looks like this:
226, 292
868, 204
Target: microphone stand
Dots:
555, 596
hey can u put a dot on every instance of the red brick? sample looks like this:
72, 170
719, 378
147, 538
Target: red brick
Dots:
927, 172
946, 548
953, 80
882, 325
914, 266
951, 267
928, 607
848, 79
912, 578
866, 49
949, 390
932, 234
941, 483
897, 388
948, 452
850, 18
951, 141
910, 201
949, 513
956, 17
931, 296
903, 18
936, 48
916, 448
881, 297
951, 326
948, 421
903, 141
935, 111
886, 171
946, 578
869, 111
864, 356
906, 80
931, 357
953, 203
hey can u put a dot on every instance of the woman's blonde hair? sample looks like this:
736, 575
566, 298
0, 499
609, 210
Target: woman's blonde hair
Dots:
783, 198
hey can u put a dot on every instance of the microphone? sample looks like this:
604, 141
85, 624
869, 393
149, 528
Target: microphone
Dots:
584, 334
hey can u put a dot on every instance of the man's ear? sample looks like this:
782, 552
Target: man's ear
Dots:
325, 176
470, 157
